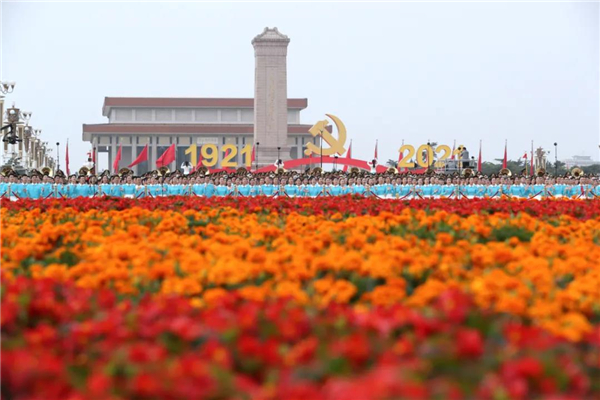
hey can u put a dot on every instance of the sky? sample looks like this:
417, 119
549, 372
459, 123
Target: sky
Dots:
391, 72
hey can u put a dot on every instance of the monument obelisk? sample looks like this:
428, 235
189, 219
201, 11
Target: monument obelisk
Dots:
270, 96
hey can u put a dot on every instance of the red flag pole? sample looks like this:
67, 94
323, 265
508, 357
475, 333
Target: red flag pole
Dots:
94, 160
67, 159
117, 159
348, 155
400, 156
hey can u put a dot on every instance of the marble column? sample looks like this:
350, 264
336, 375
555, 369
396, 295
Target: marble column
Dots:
270, 95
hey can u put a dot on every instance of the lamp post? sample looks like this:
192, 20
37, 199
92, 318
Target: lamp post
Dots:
7, 87
278, 158
57, 156
321, 150
428, 152
14, 118
335, 162
256, 158
555, 159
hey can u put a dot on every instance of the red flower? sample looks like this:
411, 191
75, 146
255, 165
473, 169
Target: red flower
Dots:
469, 343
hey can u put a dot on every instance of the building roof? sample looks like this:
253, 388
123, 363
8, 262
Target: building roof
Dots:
233, 129
188, 102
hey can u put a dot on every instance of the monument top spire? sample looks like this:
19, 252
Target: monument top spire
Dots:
271, 35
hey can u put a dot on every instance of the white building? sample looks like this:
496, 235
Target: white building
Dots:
231, 125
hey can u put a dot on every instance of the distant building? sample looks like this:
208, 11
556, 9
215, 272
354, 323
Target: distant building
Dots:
580, 161
269, 118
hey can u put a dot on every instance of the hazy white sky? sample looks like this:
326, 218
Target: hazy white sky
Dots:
393, 72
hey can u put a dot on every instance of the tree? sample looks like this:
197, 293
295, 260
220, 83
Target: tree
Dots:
392, 163
591, 169
561, 170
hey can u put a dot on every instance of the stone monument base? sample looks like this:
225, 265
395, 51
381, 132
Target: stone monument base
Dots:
268, 155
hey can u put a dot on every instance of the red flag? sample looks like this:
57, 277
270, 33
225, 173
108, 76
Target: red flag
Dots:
479, 159
504, 161
253, 155
199, 164
67, 159
376, 142
348, 155
167, 157
94, 160
141, 158
453, 147
525, 155
117, 159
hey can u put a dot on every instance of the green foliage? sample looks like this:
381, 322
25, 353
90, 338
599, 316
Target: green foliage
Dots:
506, 232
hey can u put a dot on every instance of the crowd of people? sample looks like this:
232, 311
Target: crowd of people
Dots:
314, 183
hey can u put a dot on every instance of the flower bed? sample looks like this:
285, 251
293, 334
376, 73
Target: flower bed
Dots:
281, 298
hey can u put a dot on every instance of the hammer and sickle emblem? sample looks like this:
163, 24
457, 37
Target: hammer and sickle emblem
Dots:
336, 146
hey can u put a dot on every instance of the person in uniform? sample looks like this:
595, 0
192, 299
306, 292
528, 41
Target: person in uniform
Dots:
447, 191
268, 189
210, 189
129, 189
34, 188
186, 167
244, 190
358, 188
4, 187
291, 189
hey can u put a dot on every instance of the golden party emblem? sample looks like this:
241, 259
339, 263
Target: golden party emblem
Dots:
336, 146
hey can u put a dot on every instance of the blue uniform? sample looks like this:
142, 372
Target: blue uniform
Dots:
426, 191
379, 190
516, 191
199, 189
128, 190
222, 191
447, 191
4, 190
34, 191
335, 190
291, 190
244, 190
403, 191
268, 190
358, 189
493, 191
538, 191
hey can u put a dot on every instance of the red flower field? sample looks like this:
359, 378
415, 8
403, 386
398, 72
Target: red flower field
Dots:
346, 298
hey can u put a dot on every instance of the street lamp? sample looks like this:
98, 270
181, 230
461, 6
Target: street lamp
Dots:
278, 150
256, 158
555, 159
57, 156
335, 162
428, 151
7, 87
321, 135
14, 117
